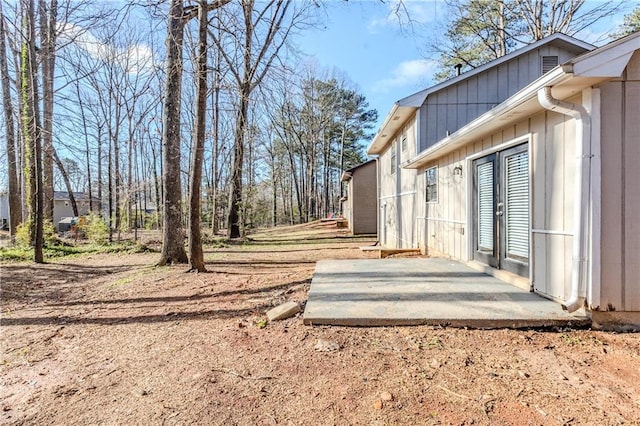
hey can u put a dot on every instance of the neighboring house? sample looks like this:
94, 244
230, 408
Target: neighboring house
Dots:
62, 206
524, 187
4, 209
360, 205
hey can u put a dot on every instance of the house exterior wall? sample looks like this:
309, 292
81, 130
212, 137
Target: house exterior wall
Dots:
62, 208
620, 216
346, 205
447, 230
452, 107
397, 193
363, 204
4, 208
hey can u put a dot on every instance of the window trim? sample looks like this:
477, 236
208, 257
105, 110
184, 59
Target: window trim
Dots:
427, 185
403, 141
394, 160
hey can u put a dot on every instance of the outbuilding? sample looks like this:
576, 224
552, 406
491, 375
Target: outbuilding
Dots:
359, 205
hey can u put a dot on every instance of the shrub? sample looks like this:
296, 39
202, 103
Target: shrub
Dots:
95, 229
50, 235
23, 233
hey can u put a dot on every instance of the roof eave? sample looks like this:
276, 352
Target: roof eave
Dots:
394, 121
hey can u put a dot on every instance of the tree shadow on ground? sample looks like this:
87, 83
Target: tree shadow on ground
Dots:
191, 298
38, 282
139, 319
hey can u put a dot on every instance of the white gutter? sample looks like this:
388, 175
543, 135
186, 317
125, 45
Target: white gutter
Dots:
581, 198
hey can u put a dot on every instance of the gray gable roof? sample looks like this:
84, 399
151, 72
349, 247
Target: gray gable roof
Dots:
79, 196
403, 109
562, 40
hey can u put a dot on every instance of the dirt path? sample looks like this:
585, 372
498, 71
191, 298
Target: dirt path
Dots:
112, 340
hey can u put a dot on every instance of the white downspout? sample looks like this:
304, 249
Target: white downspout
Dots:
581, 198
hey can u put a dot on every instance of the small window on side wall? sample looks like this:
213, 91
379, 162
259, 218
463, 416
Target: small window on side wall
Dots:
403, 141
393, 158
431, 184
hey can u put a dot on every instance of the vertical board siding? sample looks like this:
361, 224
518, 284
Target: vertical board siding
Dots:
540, 275
397, 193
552, 150
631, 206
612, 198
620, 150
452, 107
362, 202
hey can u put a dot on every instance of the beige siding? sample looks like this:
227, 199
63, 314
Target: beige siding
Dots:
62, 209
398, 208
620, 150
362, 202
552, 165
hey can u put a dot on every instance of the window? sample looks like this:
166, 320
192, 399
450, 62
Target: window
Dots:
403, 141
393, 158
549, 63
431, 184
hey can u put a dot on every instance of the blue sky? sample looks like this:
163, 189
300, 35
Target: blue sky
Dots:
386, 60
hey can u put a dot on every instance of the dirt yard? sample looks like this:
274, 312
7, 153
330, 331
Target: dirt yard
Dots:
109, 339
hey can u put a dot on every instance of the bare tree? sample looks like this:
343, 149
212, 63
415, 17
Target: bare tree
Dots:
196, 257
15, 211
479, 31
172, 231
542, 18
259, 33
31, 125
48, 18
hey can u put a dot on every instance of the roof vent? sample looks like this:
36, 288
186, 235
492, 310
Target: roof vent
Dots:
549, 63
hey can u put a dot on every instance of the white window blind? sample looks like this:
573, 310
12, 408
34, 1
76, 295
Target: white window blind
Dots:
485, 206
517, 205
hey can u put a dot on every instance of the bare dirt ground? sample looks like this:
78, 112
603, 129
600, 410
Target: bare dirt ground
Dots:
110, 339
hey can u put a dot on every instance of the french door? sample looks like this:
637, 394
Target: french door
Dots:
501, 210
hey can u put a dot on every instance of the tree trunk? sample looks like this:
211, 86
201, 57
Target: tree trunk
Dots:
15, 210
116, 175
85, 132
172, 232
156, 182
131, 191
109, 189
99, 171
196, 257
31, 126
235, 197
47, 52
215, 179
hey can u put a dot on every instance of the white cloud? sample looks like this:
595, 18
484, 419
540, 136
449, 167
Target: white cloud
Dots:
407, 74
139, 58
135, 58
406, 12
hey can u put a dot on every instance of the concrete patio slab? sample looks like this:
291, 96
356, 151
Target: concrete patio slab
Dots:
414, 291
